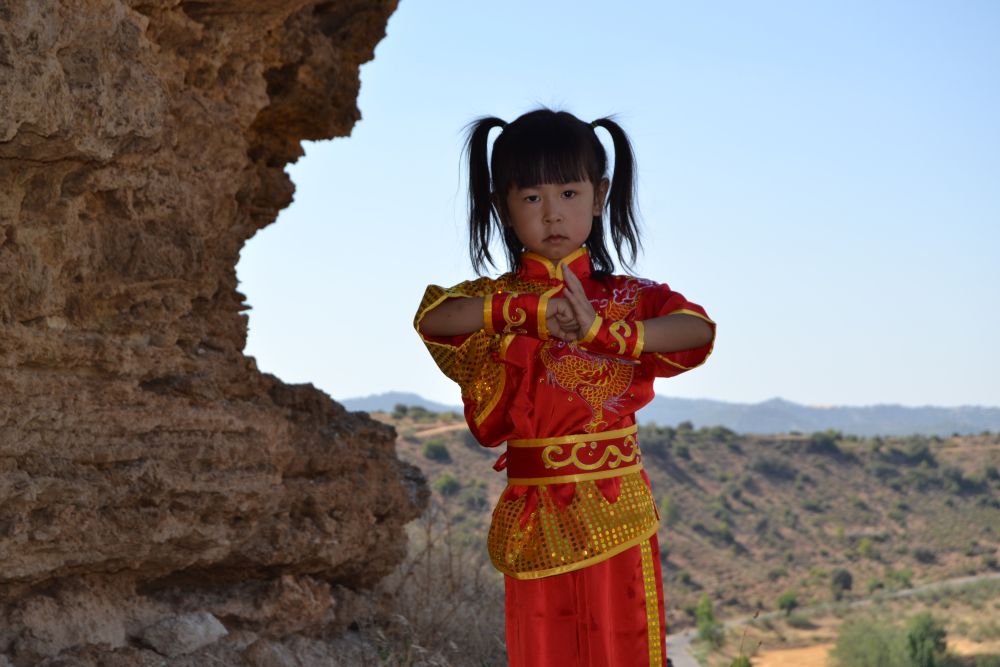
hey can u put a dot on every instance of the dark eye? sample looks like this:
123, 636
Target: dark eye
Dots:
531, 198
568, 194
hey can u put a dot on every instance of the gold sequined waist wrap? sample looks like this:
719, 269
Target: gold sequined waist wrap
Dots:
539, 530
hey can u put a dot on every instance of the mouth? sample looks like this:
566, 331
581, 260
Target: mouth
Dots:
555, 238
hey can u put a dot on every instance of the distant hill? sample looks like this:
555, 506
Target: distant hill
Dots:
773, 416
387, 401
748, 517
780, 416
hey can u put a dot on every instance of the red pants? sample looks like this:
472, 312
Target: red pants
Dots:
599, 616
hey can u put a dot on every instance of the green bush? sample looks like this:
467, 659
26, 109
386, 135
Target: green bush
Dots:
866, 548
710, 631
800, 622
435, 450
864, 643
874, 584
447, 485
925, 641
900, 578
788, 602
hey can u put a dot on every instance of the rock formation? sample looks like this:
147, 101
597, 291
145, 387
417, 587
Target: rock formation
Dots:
152, 480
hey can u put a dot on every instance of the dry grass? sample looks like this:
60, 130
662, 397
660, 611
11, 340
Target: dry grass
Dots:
447, 601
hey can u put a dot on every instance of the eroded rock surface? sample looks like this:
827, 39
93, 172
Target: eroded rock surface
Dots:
147, 468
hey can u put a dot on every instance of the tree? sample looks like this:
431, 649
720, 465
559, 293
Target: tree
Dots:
841, 581
709, 630
925, 641
788, 602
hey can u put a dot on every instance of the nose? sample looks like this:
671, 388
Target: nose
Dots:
552, 212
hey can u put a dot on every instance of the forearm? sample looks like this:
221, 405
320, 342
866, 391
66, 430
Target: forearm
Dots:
454, 317
672, 333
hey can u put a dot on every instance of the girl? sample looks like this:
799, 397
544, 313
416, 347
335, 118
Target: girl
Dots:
553, 359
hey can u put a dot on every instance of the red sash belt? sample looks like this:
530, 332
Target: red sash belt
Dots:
571, 458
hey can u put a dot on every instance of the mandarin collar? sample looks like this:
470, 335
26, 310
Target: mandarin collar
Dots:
534, 265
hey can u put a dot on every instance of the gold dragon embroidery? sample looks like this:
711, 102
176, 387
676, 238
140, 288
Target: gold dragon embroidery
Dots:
599, 381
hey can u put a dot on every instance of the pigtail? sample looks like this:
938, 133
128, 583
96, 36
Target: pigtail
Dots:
621, 198
481, 210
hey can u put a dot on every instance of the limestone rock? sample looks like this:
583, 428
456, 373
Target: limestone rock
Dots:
265, 653
179, 635
146, 465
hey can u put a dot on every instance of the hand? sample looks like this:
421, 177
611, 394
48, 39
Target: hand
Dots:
583, 312
561, 321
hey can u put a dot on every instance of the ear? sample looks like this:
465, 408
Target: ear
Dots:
600, 196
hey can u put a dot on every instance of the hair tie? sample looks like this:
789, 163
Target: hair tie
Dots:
503, 125
593, 124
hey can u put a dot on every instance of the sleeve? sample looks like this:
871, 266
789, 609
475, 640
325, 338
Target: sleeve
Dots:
471, 360
656, 300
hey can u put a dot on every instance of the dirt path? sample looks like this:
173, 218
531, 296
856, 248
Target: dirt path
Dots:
438, 430
809, 656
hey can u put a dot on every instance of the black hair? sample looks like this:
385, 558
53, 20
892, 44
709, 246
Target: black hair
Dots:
545, 146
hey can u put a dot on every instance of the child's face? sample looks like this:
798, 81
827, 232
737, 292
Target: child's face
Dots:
554, 219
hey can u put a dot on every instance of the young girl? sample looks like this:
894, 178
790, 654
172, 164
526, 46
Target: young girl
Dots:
554, 358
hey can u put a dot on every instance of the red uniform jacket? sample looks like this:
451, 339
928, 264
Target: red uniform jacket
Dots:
576, 491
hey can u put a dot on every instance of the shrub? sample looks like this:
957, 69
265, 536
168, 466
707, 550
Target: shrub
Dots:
709, 630
473, 497
788, 602
421, 414
924, 555
815, 506
866, 549
399, 411
925, 641
800, 622
841, 581
864, 643
900, 578
447, 485
435, 450
824, 443
772, 468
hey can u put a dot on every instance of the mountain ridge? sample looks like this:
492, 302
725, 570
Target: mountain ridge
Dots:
774, 415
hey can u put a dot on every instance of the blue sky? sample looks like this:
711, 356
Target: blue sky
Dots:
824, 177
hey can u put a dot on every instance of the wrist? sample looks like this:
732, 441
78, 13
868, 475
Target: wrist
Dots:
621, 338
514, 313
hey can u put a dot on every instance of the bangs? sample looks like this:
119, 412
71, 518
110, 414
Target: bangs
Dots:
543, 165
556, 148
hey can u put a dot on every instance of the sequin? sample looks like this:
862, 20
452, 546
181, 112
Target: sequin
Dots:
587, 530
